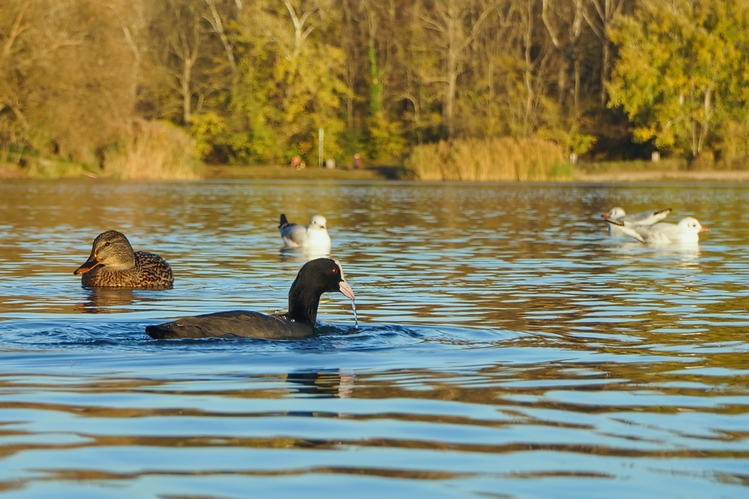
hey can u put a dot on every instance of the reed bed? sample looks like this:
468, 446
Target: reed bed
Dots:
498, 159
152, 150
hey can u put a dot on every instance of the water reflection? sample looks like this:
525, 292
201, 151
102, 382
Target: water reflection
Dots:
503, 337
107, 301
322, 383
302, 255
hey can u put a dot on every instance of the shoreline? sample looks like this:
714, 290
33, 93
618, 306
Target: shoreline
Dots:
371, 173
661, 176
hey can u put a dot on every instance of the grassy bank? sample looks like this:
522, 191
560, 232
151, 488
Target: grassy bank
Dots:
625, 171
286, 173
49, 169
45, 169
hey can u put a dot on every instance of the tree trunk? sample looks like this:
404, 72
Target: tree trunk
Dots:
186, 91
528, 73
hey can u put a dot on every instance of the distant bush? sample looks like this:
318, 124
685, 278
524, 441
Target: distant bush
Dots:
732, 146
152, 150
499, 159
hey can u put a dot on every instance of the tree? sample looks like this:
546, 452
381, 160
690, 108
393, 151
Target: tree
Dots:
564, 24
449, 27
674, 72
599, 15
12, 119
292, 79
526, 92
68, 80
181, 58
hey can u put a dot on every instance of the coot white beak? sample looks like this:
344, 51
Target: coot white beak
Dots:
344, 288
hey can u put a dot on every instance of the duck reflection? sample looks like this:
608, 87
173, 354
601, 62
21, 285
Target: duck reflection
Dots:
324, 384
107, 301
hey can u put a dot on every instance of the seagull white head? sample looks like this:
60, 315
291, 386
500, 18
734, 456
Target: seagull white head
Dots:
317, 222
614, 213
691, 224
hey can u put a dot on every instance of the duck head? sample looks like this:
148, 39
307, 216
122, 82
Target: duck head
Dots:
110, 249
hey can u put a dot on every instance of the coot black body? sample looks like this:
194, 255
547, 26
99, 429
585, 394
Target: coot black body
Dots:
315, 278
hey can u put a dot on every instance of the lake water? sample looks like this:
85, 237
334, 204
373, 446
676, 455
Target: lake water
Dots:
506, 347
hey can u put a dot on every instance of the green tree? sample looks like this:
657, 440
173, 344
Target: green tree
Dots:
674, 74
292, 80
448, 28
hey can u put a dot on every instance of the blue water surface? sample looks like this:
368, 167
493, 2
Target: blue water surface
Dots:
506, 346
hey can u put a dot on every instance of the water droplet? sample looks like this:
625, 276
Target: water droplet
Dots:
356, 319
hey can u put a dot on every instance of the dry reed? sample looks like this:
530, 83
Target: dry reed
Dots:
152, 150
498, 159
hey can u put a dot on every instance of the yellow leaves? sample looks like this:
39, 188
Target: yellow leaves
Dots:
301, 81
676, 69
205, 128
643, 134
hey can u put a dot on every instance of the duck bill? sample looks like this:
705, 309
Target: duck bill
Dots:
344, 288
605, 215
90, 265
704, 229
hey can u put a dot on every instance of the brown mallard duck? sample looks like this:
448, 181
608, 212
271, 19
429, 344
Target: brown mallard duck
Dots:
113, 263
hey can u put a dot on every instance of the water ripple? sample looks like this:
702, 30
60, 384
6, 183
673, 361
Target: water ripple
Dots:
506, 346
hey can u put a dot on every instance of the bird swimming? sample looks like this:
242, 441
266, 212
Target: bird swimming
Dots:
113, 263
687, 231
635, 219
314, 278
313, 236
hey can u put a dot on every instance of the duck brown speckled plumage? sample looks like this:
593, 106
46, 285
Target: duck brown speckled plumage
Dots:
113, 263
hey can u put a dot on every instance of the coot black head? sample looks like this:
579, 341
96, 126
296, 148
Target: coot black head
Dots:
315, 278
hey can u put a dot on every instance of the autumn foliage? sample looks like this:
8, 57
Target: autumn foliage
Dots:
135, 88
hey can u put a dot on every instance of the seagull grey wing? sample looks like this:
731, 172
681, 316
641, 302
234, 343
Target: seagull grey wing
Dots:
646, 218
626, 229
294, 235
660, 215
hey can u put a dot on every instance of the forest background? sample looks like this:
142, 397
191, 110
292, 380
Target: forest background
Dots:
467, 89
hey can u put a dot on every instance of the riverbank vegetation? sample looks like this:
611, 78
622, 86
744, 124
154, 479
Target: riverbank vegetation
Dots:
501, 159
452, 89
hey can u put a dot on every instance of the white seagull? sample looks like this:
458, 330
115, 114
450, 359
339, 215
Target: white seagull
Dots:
314, 236
645, 218
687, 231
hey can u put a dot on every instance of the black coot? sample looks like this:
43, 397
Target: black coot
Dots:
315, 278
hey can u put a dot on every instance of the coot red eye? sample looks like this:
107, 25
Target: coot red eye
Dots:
335, 270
